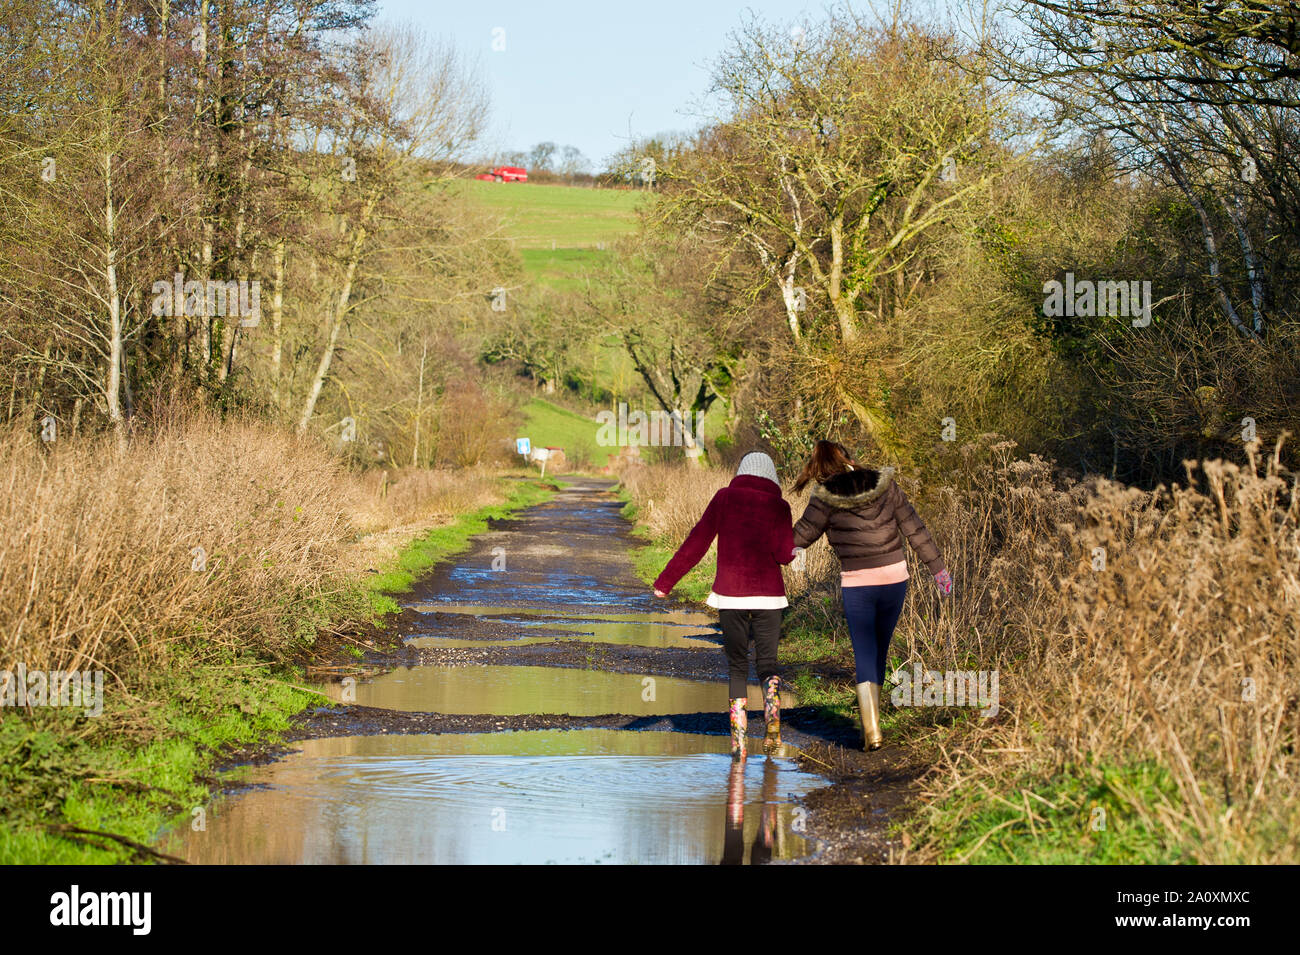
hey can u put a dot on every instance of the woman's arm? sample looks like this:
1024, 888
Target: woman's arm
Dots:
783, 542
812, 524
910, 523
693, 548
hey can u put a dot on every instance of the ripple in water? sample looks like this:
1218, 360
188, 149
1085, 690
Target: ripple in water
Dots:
575, 796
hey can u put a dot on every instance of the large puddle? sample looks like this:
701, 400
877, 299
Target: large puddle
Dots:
518, 690
561, 572
561, 796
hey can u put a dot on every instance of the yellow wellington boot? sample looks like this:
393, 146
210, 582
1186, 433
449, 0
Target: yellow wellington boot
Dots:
869, 710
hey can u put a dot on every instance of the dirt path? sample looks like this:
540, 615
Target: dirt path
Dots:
543, 626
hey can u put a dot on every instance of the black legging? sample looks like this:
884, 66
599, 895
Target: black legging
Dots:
873, 612
738, 628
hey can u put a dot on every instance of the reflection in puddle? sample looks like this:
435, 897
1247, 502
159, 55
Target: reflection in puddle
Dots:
681, 618
553, 796
519, 690
447, 632
766, 827
557, 586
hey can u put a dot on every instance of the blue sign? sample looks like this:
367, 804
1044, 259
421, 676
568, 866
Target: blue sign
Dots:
523, 446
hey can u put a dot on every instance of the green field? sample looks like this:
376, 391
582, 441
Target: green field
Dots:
563, 269
558, 231
550, 426
558, 217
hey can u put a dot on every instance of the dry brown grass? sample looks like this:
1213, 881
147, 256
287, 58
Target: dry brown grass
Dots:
96, 562
391, 507
1183, 651
671, 498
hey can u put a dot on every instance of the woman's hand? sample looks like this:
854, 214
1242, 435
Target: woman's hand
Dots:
944, 580
659, 593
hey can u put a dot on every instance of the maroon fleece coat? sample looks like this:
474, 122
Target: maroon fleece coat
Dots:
752, 523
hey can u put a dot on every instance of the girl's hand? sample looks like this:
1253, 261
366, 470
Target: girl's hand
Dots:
800, 561
944, 580
660, 593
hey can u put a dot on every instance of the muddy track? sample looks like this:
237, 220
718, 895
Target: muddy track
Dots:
560, 578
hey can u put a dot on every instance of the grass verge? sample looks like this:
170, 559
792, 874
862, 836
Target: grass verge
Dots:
101, 790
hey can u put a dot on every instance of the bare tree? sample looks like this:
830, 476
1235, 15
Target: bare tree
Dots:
1201, 96
844, 145
410, 98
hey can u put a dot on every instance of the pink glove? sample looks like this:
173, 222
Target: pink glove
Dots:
944, 580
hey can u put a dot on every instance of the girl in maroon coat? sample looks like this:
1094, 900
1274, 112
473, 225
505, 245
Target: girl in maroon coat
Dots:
752, 523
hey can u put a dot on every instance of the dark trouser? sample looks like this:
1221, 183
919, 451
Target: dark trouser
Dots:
873, 613
738, 628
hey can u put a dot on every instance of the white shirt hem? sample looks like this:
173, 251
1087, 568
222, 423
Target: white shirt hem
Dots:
724, 602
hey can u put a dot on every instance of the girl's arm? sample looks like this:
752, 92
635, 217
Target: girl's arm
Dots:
812, 525
910, 523
783, 549
693, 548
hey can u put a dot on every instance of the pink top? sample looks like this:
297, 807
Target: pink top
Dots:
874, 576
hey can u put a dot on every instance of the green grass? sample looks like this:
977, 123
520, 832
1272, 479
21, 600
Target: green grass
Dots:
1082, 816
652, 556
140, 768
560, 217
548, 425
563, 269
1062, 833
651, 559
558, 232
116, 783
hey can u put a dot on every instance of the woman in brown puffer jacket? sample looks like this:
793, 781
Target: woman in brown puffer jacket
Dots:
865, 515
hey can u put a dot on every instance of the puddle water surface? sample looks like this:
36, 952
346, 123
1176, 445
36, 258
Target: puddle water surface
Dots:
563, 796
519, 690
448, 629
540, 796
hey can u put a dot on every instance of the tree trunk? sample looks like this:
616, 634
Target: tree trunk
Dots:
113, 379
791, 299
1211, 245
1233, 208
419, 408
277, 319
845, 313
876, 422
336, 326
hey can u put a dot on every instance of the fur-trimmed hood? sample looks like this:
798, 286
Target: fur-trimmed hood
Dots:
865, 516
852, 489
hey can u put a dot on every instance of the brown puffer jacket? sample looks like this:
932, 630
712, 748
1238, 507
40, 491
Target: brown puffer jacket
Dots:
865, 514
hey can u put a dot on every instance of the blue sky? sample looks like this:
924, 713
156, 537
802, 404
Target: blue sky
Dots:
582, 72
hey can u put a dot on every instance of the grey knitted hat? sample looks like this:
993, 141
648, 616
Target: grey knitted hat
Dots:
758, 464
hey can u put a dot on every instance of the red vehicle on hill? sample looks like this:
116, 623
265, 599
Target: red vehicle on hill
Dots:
505, 174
